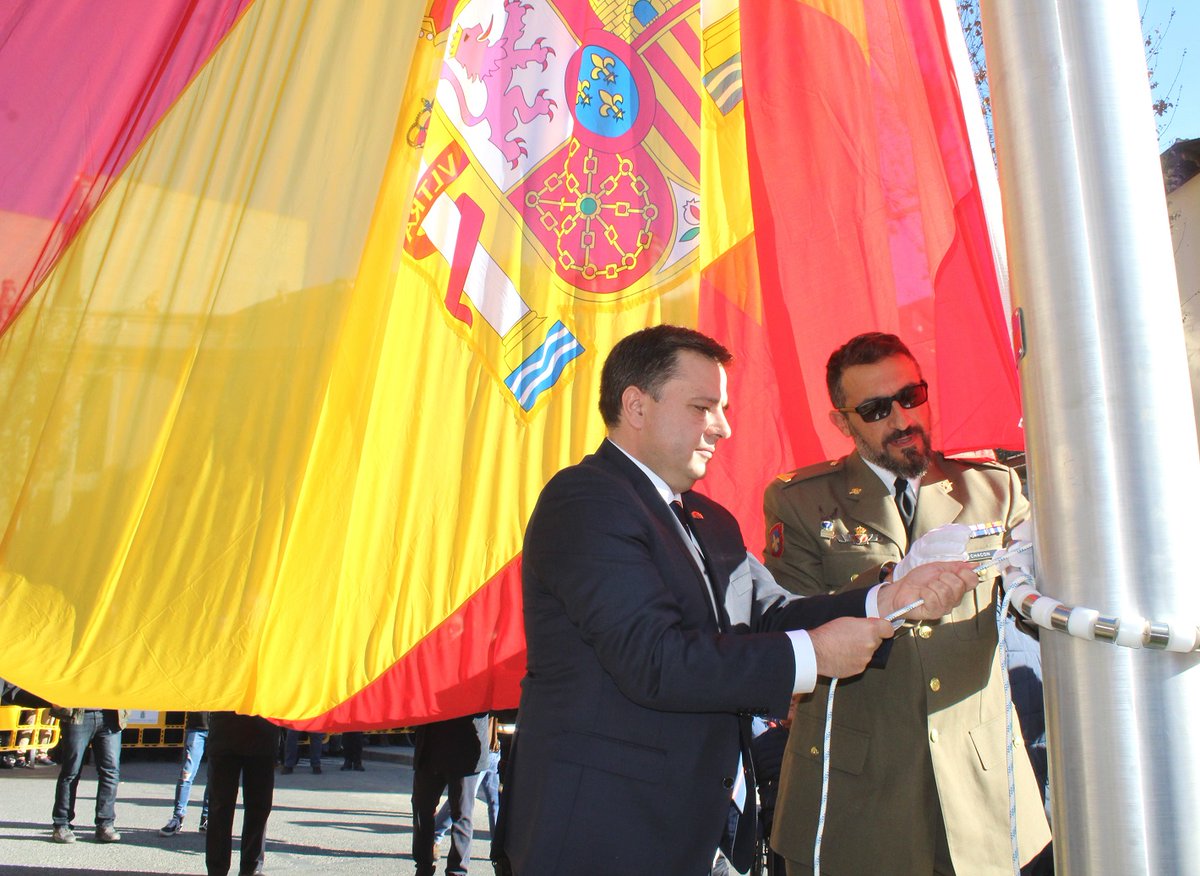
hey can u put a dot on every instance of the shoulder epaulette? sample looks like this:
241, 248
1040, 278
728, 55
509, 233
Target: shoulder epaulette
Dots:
811, 471
979, 462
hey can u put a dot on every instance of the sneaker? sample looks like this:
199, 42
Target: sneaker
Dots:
203, 828
172, 827
107, 834
63, 834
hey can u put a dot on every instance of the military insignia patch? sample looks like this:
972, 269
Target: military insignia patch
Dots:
861, 535
775, 540
856, 491
826, 529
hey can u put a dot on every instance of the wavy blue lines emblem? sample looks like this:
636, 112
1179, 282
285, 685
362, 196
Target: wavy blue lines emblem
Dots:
542, 368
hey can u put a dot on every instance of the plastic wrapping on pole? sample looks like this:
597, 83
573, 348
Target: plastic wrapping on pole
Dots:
1111, 438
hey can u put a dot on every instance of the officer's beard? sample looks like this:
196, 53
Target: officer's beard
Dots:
906, 462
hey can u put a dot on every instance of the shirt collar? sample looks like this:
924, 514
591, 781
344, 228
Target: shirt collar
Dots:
889, 477
668, 495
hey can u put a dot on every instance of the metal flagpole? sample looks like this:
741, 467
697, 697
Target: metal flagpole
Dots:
1111, 437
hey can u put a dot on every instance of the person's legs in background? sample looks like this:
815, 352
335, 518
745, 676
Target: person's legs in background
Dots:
461, 795
291, 750
314, 750
73, 743
258, 789
193, 752
426, 791
106, 749
224, 770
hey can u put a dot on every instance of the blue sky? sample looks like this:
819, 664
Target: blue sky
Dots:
1183, 33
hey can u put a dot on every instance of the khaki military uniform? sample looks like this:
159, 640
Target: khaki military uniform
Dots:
920, 743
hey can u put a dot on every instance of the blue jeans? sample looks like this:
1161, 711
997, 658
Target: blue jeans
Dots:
291, 748
488, 791
100, 730
193, 753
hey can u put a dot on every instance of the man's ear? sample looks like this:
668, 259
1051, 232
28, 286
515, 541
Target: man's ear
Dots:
841, 421
633, 406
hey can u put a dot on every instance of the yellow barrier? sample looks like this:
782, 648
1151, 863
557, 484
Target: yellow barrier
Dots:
145, 729
22, 729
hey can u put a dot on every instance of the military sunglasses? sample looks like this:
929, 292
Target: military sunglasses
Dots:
875, 409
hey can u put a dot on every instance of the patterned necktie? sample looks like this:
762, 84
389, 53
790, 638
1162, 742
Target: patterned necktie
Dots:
904, 503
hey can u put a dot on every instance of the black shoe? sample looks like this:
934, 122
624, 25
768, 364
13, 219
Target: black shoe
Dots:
287, 771
358, 768
203, 827
346, 766
316, 769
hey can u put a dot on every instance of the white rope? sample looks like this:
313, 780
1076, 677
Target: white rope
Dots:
824, 779
1002, 644
1020, 591
894, 620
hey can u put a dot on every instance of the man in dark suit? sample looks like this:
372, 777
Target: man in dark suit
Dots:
653, 635
449, 756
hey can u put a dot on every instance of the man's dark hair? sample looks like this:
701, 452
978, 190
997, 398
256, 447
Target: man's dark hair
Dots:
647, 359
865, 349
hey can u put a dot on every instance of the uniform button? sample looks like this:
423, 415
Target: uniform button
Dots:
727, 783
814, 751
935, 684
933, 735
924, 632
854, 577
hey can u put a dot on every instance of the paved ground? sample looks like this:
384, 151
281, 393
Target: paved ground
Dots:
337, 822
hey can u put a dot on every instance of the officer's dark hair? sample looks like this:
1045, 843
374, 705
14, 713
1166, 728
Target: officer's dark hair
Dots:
648, 359
865, 349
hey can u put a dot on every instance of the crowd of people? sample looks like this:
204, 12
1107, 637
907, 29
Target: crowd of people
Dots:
459, 758
666, 662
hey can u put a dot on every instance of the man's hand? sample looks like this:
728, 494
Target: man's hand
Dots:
845, 645
941, 585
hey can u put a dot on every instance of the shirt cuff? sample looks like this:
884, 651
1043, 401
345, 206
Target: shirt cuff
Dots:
872, 608
806, 662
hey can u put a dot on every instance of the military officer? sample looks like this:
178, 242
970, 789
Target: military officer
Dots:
918, 782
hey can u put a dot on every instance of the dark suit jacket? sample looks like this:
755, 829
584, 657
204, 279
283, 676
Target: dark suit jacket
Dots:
454, 748
628, 736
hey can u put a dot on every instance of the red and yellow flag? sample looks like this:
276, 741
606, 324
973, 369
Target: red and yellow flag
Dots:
304, 302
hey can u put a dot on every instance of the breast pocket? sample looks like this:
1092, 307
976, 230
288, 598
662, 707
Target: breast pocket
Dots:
976, 614
844, 563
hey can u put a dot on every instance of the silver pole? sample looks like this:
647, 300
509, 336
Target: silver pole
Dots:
1108, 416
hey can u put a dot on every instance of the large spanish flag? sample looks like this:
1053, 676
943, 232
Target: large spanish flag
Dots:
304, 302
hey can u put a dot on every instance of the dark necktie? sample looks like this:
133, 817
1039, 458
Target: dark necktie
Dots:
686, 523
904, 504
745, 836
